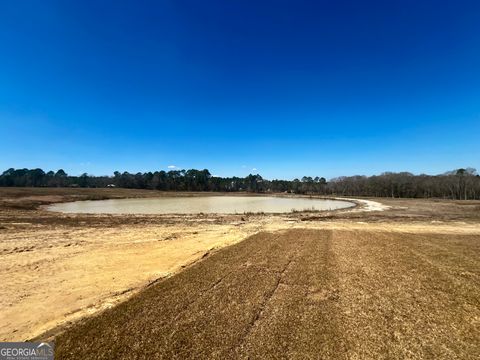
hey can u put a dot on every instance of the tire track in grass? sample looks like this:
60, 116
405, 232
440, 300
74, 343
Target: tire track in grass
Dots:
202, 307
299, 320
261, 308
203, 292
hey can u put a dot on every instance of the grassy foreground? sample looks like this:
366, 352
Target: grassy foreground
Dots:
305, 294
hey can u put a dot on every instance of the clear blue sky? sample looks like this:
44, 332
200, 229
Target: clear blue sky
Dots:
290, 88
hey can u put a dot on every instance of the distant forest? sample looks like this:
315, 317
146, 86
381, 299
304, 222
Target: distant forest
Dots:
456, 184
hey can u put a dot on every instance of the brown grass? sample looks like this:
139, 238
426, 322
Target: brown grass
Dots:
303, 294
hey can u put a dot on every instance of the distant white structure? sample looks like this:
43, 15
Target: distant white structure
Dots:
111, 185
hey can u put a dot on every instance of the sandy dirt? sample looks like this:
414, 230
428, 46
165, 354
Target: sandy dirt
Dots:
57, 268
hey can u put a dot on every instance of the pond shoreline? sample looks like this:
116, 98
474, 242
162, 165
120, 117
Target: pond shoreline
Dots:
214, 204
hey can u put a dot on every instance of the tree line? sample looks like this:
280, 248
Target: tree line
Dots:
456, 184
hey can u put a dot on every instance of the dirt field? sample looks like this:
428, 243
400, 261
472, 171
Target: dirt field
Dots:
400, 283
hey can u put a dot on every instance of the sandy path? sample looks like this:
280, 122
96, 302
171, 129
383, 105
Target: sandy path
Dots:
367, 205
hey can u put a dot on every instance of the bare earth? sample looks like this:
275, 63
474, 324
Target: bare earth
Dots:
398, 283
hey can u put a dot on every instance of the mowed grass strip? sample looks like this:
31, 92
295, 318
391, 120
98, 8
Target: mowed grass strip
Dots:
302, 294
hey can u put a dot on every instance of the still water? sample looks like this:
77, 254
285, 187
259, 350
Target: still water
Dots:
200, 204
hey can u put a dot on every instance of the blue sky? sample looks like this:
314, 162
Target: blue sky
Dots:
289, 88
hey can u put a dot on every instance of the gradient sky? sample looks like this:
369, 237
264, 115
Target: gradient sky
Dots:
289, 88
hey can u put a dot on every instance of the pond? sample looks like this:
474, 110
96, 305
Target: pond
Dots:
200, 204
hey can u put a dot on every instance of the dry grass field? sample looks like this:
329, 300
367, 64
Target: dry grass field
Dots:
401, 283
303, 294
